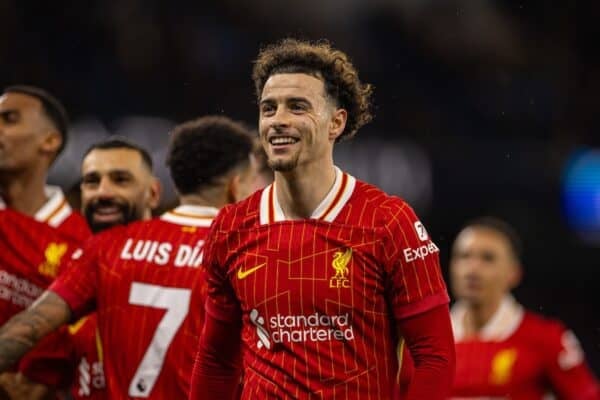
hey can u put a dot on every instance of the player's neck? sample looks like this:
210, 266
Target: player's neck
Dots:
23, 192
301, 191
478, 315
205, 199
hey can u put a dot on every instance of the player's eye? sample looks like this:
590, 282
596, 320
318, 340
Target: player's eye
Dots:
121, 179
298, 107
9, 117
267, 109
461, 255
90, 180
488, 257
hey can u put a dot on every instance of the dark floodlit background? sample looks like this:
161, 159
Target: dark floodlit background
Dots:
482, 107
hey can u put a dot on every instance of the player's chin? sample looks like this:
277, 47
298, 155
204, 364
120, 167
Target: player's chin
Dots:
472, 294
105, 222
283, 164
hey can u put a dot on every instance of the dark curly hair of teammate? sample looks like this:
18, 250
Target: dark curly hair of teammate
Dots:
205, 149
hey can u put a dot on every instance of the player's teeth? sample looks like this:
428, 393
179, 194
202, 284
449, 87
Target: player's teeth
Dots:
283, 140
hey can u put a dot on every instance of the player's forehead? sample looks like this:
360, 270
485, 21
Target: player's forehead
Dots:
480, 238
19, 102
104, 161
280, 87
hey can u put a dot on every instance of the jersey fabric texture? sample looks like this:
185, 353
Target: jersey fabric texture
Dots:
318, 297
145, 282
33, 251
519, 355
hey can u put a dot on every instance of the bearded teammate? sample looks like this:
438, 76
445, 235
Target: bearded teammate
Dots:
117, 187
319, 275
503, 350
38, 228
145, 279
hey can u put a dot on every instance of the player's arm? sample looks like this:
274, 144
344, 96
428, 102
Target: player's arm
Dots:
24, 330
19, 387
567, 371
419, 299
217, 368
430, 342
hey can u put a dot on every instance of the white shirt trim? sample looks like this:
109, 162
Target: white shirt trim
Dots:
189, 215
54, 211
329, 208
501, 326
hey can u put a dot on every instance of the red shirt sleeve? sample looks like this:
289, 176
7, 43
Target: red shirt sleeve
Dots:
51, 361
430, 342
77, 284
415, 282
221, 301
567, 372
217, 370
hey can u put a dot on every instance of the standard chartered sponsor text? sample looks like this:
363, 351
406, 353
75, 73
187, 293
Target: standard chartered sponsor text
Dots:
315, 327
18, 291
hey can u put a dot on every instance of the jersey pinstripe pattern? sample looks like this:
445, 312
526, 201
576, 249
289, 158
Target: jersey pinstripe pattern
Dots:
146, 283
318, 313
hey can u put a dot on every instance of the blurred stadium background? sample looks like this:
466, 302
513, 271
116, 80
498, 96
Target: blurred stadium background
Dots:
482, 107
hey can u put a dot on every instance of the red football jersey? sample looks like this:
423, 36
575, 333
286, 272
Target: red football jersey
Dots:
33, 250
519, 356
87, 356
143, 279
318, 297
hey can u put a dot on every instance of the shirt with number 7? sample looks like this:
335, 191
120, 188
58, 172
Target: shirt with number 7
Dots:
144, 280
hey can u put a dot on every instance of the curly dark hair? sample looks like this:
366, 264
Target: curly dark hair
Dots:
322, 61
203, 150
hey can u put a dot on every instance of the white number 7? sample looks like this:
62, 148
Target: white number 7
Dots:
177, 303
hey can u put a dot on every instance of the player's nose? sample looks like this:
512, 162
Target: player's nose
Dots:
280, 119
105, 188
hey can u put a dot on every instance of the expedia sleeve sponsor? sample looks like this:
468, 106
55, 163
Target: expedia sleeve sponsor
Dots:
419, 253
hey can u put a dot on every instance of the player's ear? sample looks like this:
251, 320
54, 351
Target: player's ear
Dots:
234, 188
516, 275
51, 142
154, 193
339, 117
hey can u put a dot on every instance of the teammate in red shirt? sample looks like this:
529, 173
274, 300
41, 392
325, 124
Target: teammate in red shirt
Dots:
502, 350
117, 187
38, 228
144, 279
320, 274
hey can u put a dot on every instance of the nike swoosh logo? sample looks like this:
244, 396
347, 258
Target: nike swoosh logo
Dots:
241, 274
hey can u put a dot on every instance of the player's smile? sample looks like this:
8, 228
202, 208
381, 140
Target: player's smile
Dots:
282, 143
108, 213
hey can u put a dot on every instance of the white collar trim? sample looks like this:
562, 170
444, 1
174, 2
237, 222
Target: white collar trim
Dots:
327, 210
189, 215
501, 326
56, 209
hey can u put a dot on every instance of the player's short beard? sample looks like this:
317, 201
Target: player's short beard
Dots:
284, 165
128, 211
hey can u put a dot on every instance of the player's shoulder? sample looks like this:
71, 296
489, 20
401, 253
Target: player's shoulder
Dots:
381, 207
75, 225
553, 340
240, 215
109, 236
147, 228
535, 323
544, 333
